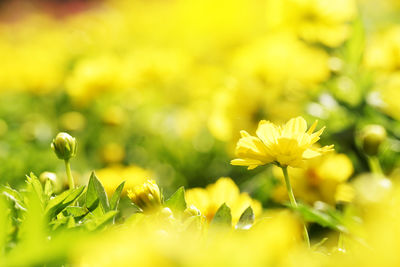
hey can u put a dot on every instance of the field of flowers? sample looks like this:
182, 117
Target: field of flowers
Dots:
199, 133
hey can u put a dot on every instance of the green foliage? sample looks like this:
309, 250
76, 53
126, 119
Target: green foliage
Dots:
60, 202
328, 218
39, 216
114, 201
222, 217
246, 219
96, 196
177, 202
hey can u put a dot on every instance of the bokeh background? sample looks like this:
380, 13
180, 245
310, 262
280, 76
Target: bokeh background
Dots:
161, 88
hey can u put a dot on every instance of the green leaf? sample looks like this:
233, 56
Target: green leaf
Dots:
330, 219
35, 186
246, 219
100, 221
5, 223
92, 201
114, 201
223, 216
96, 194
177, 202
60, 202
76, 211
15, 196
71, 222
48, 188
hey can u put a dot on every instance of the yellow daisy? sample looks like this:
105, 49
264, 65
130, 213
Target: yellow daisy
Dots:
287, 145
209, 199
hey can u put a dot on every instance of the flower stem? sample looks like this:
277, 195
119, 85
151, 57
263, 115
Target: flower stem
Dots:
341, 243
69, 175
374, 165
293, 201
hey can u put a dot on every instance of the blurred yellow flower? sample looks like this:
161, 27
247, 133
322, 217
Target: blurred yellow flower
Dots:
320, 180
92, 77
209, 199
287, 145
114, 175
322, 21
112, 153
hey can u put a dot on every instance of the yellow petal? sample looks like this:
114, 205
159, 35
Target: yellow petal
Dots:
267, 132
294, 126
310, 153
247, 162
315, 136
312, 128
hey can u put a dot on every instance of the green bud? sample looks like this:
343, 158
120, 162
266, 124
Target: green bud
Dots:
51, 176
372, 136
64, 146
51, 179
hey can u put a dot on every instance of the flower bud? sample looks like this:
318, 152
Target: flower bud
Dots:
146, 196
51, 176
64, 146
372, 188
372, 136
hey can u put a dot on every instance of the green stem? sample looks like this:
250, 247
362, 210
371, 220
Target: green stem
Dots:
293, 201
341, 243
374, 165
69, 175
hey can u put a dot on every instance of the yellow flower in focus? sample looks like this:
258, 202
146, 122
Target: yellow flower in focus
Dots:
209, 199
287, 145
114, 175
323, 179
146, 196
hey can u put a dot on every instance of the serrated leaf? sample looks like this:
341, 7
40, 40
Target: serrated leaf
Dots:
177, 202
14, 196
114, 201
100, 221
96, 193
310, 214
246, 219
60, 202
35, 186
223, 216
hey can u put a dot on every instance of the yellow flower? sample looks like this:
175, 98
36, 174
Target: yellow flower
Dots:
114, 175
209, 199
322, 21
146, 196
287, 145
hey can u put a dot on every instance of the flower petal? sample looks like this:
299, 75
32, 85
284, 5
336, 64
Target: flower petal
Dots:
294, 127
